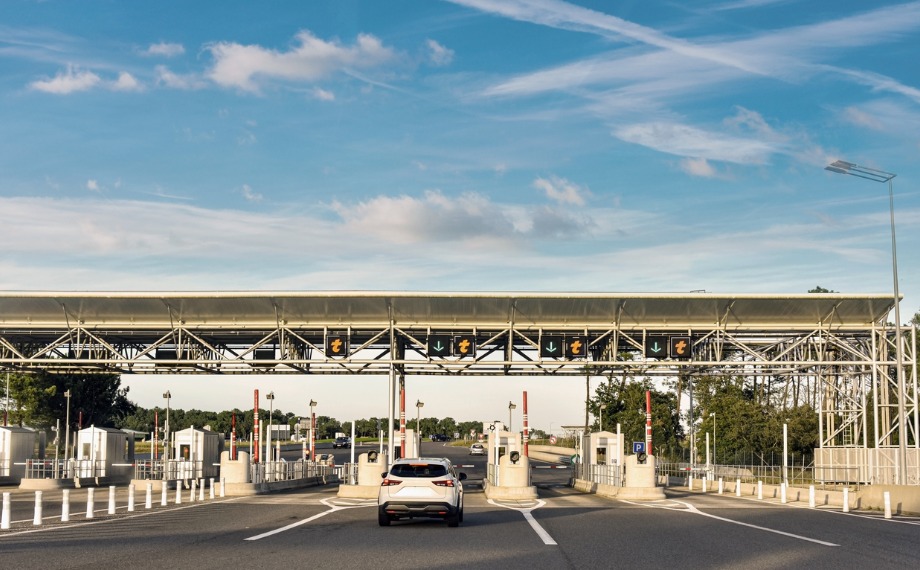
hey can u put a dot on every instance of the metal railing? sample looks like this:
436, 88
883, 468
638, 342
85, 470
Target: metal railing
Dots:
272, 471
605, 474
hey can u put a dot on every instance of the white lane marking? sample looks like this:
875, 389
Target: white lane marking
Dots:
528, 516
691, 509
328, 502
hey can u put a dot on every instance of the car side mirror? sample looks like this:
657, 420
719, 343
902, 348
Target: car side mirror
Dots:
463, 476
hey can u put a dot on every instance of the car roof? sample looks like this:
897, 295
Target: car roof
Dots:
443, 460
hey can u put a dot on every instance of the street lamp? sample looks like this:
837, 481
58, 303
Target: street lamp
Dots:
268, 440
844, 167
418, 432
166, 453
600, 423
511, 406
312, 430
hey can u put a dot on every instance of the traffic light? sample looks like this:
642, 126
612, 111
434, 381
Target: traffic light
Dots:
464, 345
576, 347
680, 347
336, 345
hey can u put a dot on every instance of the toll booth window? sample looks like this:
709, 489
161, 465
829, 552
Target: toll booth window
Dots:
501, 451
184, 451
602, 456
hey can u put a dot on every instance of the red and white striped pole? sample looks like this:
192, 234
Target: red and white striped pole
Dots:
526, 428
648, 422
255, 427
402, 418
313, 436
233, 437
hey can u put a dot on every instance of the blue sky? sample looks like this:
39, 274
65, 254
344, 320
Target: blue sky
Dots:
485, 145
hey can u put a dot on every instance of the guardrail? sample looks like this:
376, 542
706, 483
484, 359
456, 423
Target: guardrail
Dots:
289, 470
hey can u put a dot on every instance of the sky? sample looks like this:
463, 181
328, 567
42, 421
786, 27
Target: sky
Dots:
465, 145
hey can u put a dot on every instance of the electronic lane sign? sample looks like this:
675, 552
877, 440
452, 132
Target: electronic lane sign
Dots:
464, 345
439, 345
551, 346
576, 347
656, 347
336, 346
680, 347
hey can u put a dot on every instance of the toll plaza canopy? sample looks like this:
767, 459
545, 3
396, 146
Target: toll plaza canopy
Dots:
440, 332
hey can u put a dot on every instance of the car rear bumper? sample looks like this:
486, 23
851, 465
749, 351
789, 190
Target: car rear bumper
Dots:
410, 509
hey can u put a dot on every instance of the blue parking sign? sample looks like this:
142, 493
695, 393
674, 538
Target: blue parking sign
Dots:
638, 447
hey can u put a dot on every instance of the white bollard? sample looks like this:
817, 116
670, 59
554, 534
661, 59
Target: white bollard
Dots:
131, 498
211, 487
5, 517
846, 499
811, 496
65, 506
705, 481
37, 519
191, 493
690, 482
111, 499
782, 493
163, 489
223, 485
179, 492
737, 487
90, 502
887, 497
201, 490
760, 490
721, 486
148, 500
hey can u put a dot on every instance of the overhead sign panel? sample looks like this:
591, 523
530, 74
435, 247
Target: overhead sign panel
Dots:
336, 345
576, 347
551, 346
439, 345
656, 347
680, 347
464, 345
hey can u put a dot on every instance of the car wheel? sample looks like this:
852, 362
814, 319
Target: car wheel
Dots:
460, 518
383, 519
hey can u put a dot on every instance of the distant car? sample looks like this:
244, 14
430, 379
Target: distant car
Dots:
423, 487
439, 437
477, 449
343, 442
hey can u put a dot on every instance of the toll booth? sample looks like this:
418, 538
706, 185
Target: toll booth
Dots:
411, 444
16, 446
606, 448
196, 452
104, 452
502, 443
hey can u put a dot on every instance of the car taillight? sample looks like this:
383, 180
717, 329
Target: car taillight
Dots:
445, 483
390, 482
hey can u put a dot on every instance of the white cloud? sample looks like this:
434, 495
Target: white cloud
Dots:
561, 190
69, 81
684, 140
126, 82
250, 195
698, 167
439, 55
322, 94
243, 66
93, 185
176, 81
164, 49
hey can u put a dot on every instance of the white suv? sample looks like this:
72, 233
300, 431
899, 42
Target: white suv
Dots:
421, 487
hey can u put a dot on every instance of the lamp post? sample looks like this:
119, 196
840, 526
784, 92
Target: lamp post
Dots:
600, 423
268, 440
844, 167
67, 429
511, 406
715, 452
418, 432
312, 430
166, 453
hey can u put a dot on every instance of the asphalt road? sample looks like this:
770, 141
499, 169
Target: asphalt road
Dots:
564, 529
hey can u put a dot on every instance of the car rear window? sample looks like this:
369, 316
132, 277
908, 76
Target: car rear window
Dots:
418, 470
